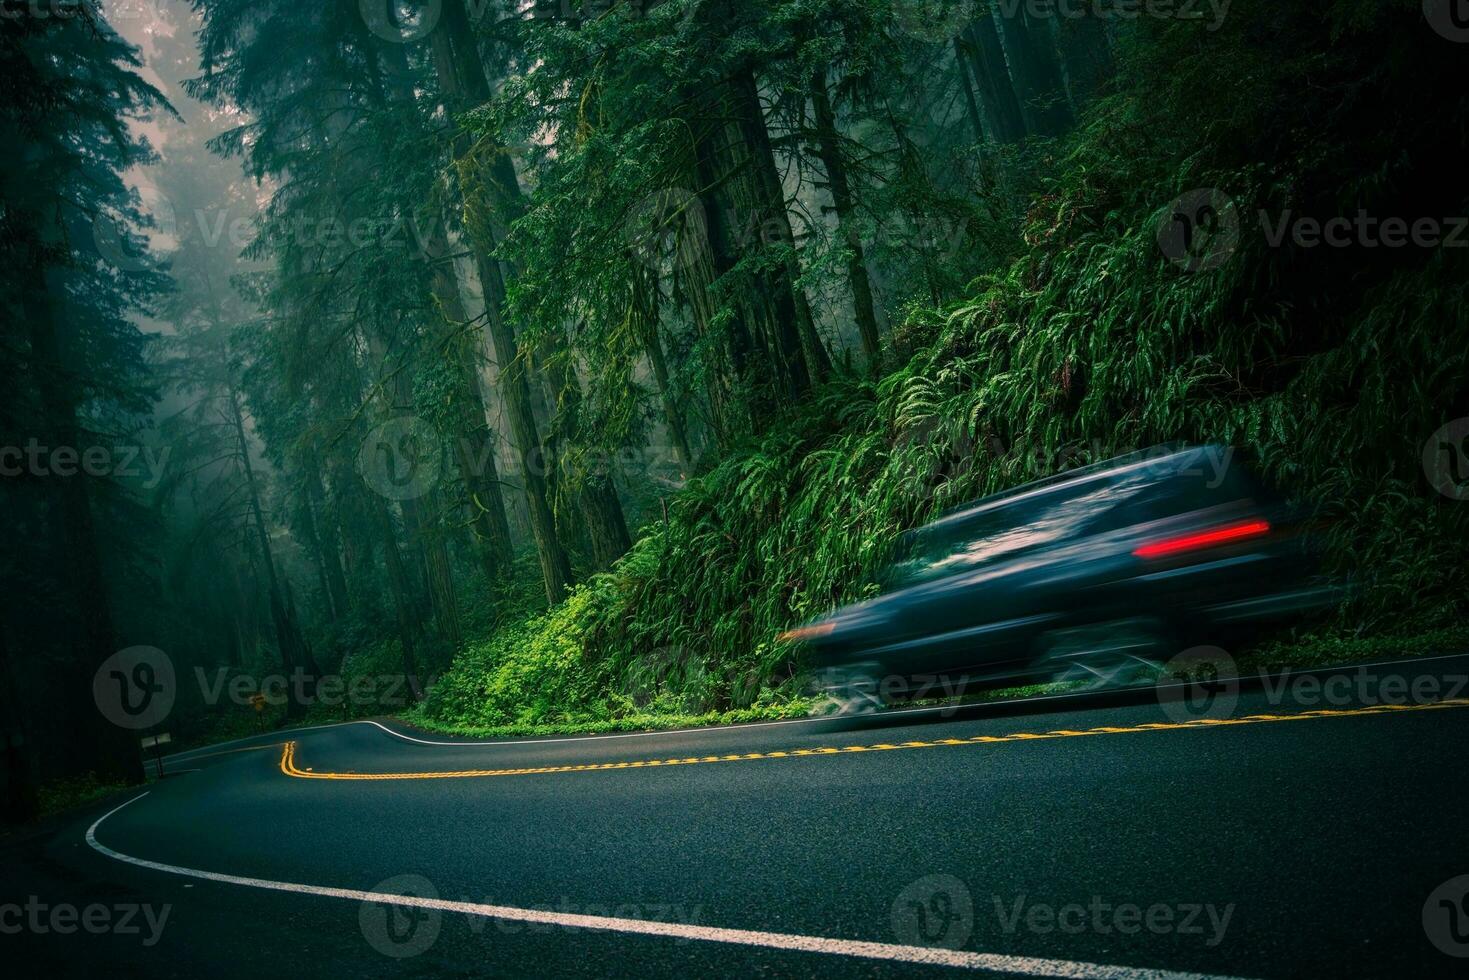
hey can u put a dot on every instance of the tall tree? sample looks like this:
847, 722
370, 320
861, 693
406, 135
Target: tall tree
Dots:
829, 147
1034, 67
72, 86
979, 44
492, 199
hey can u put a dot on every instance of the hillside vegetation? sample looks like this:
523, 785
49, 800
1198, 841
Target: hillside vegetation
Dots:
1333, 365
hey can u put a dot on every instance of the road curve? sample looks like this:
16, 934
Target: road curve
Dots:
1284, 833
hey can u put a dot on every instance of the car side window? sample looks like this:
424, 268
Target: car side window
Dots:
1006, 532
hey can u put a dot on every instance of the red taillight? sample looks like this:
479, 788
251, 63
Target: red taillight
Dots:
1203, 539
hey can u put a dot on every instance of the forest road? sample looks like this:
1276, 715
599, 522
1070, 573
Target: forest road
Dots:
1293, 828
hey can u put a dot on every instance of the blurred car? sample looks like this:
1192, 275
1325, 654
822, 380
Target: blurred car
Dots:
1098, 574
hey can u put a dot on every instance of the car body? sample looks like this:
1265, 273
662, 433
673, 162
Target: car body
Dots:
1126, 561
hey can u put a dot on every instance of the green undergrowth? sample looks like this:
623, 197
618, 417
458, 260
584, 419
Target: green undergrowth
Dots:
60, 795
1323, 647
796, 708
1328, 648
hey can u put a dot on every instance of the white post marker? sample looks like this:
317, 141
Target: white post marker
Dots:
156, 743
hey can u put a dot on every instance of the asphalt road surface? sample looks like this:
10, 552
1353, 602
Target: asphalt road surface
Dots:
1282, 833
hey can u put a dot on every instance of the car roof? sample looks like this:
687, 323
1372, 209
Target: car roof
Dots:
1076, 480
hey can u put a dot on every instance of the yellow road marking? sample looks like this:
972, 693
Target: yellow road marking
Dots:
289, 767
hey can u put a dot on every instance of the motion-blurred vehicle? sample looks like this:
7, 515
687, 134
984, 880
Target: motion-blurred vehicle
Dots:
1098, 574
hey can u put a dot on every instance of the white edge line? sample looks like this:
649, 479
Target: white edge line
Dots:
741, 726
216, 746
738, 726
963, 959
601, 738
287, 733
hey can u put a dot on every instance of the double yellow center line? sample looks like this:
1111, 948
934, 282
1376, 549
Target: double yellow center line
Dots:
289, 767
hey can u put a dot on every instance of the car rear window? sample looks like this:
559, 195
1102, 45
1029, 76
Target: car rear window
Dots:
1007, 531
1066, 511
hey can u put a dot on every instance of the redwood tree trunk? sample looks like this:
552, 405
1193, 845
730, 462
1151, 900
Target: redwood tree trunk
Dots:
288, 637
324, 533
645, 316
399, 585
594, 492
489, 188
803, 357
967, 83
1037, 75
981, 43
474, 440
829, 147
